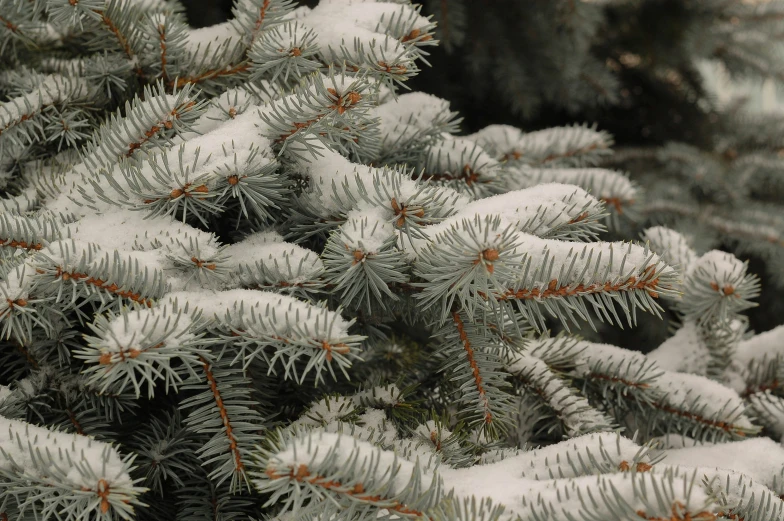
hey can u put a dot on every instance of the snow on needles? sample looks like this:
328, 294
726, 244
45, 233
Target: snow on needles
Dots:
761, 459
359, 35
337, 185
265, 313
673, 247
53, 89
265, 255
80, 462
571, 145
410, 113
536, 210
322, 453
612, 187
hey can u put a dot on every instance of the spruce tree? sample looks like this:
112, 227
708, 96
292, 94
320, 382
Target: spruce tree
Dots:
247, 275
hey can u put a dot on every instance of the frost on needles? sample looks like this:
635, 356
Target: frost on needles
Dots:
246, 275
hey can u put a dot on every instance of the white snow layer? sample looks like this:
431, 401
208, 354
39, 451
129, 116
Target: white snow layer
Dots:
312, 449
367, 230
204, 159
764, 347
336, 182
262, 255
761, 459
5, 392
265, 314
612, 187
53, 89
75, 461
684, 351
147, 329
563, 499
346, 34
407, 115
672, 246
541, 146
537, 210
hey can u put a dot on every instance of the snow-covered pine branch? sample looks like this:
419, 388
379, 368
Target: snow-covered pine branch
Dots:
65, 472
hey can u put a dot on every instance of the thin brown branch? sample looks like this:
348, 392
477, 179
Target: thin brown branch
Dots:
554, 290
65, 275
488, 418
239, 466
212, 73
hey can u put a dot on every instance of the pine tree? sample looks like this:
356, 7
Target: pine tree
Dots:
246, 275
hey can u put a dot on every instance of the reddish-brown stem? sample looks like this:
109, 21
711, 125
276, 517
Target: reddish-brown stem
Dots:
239, 466
488, 418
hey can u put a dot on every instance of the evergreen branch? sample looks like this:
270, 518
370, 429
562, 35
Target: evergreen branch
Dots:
375, 44
573, 146
485, 405
165, 452
263, 261
331, 108
259, 21
460, 164
758, 357
223, 407
673, 247
21, 203
71, 273
717, 287
200, 499
471, 361
259, 322
163, 50
44, 473
24, 113
468, 509
555, 211
345, 478
289, 127
356, 492
65, 402
329, 410
613, 188
122, 40
258, 17
287, 51
148, 121
9, 25
180, 83
484, 260
19, 233
18, 315
586, 455
712, 217
410, 124
687, 403
138, 347
361, 260
575, 414
239, 466
337, 187
610, 464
